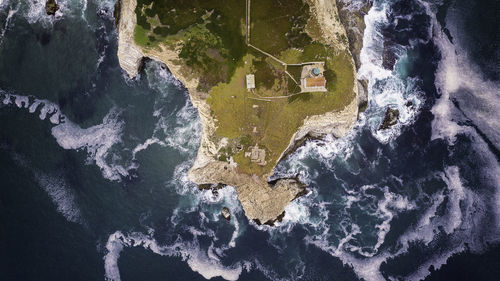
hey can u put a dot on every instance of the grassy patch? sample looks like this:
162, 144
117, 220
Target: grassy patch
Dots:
279, 25
198, 25
264, 73
278, 120
211, 37
141, 36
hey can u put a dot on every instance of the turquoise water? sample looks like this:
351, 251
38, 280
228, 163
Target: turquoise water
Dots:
93, 164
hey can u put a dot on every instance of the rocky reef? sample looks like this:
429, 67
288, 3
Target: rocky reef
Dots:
262, 201
51, 7
390, 118
225, 213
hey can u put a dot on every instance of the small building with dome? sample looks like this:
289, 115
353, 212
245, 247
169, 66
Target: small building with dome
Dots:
312, 78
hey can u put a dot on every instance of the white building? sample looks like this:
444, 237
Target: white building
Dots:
250, 82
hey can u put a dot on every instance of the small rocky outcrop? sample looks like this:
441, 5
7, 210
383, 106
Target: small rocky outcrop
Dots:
225, 213
390, 119
389, 56
51, 7
362, 95
271, 222
213, 187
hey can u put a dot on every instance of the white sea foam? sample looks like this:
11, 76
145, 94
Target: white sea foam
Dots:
114, 246
373, 45
206, 263
180, 180
142, 146
160, 79
35, 12
96, 140
106, 4
185, 135
62, 196
10, 14
382, 210
464, 211
47, 108
456, 196
325, 149
457, 77
463, 207
22, 101
385, 88
56, 188
387, 208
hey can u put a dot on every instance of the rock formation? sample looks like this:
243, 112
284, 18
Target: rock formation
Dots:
225, 213
262, 201
51, 7
390, 119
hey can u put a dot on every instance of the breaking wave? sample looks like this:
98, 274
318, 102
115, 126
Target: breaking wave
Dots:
205, 263
97, 141
372, 255
356, 196
179, 129
207, 260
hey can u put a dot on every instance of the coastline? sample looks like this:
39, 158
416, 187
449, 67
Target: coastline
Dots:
262, 201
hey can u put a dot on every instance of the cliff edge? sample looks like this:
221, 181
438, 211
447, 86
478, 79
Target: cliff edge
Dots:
244, 154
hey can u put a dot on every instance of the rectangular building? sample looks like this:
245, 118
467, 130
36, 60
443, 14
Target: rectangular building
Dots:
315, 82
250, 81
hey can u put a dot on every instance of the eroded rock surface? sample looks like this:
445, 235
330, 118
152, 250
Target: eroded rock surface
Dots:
390, 119
225, 213
51, 7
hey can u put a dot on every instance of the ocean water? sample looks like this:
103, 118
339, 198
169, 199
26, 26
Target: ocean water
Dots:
93, 165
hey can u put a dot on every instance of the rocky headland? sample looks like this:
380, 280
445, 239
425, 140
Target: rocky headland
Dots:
215, 166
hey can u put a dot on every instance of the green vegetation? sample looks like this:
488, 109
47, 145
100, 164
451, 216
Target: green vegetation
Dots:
211, 38
279, 25
276, 121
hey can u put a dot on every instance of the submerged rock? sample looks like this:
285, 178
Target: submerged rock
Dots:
390, 119
51, 7
225, 213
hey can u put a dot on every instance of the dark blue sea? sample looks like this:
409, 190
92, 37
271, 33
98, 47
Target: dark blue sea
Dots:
93, 165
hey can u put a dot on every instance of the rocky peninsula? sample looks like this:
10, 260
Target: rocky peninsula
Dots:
213, 48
